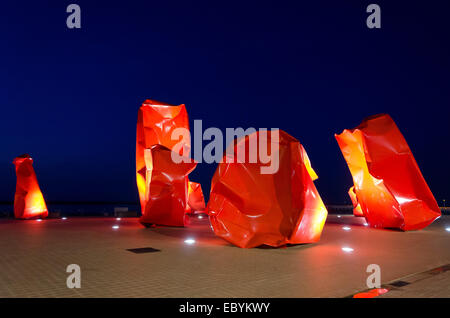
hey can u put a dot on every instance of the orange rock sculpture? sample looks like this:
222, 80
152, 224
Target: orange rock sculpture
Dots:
28, 202
389, 189
249, 209
196, 201
163, 195
166, 194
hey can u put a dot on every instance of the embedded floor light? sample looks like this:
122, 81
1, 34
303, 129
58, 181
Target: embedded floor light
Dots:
63, 218
447, 229
346, 228
189, 241
115, 227
339, 216
39, 220
347, 249
118, 219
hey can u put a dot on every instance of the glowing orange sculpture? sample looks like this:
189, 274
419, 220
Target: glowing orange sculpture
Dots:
249, 209
389, 189
371, 293
162, 184
196, 201
166, 188
357, 211
28, 201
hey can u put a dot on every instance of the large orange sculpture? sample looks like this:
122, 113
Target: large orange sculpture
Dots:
249, 209
389, 189
28, 202
163, 185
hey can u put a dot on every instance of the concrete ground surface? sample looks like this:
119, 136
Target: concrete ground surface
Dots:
35, 255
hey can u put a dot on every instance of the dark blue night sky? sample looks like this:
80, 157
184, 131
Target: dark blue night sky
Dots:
70, 97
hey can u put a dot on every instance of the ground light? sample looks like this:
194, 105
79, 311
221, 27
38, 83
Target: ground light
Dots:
115, 227
118, 219
448, 229
347, 249
63, 218
346, 228
189, 241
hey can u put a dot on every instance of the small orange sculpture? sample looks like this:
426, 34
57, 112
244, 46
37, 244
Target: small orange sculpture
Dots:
28, 201
163, 195
357, 211
389, 189
249, 209
371, 293
196, 201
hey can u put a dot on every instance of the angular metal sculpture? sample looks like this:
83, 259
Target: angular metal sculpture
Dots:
29, 202
166, 194
249, 209
196, 201
357, 211
162, 184
389, 189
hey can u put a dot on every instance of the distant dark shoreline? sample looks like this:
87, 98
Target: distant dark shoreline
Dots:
123, 209
79, 202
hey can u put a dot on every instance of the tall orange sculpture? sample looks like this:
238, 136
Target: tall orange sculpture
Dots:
249, 209
389, 189
28, 202
163, 185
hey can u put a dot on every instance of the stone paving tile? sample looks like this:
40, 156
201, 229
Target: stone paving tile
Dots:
34, 257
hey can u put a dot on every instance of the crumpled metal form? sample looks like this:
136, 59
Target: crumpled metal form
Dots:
196, 201
166, 194
357, 211
250, 209
163, 197
389, 189
29, 202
